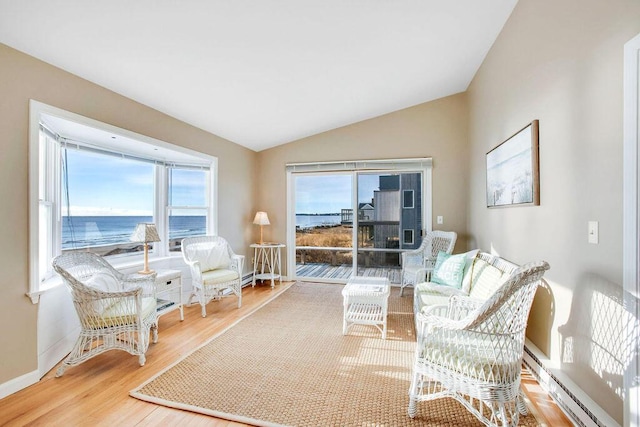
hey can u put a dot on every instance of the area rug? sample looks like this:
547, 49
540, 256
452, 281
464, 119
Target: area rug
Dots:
288, 363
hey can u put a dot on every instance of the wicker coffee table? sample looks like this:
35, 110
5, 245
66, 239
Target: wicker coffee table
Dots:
365, 303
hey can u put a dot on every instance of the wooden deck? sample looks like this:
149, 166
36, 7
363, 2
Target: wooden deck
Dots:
341, 273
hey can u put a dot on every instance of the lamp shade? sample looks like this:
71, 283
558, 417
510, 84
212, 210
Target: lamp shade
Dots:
145, 233
261, 218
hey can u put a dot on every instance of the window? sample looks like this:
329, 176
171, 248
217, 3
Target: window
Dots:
407, 199
188, 206
407, 236
91, 184
103, 198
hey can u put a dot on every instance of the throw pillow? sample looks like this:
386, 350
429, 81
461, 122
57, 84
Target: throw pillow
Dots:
211, 256
104, 281
449, 269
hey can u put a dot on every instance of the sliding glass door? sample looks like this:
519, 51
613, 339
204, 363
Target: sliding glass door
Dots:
355, 222
324, 241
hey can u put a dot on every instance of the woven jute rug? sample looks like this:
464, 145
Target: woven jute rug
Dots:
289, 364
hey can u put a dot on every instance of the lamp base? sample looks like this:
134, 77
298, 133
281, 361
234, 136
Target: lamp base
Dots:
146, 271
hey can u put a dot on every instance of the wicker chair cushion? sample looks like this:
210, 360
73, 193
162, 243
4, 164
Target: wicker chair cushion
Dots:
486, 279
449, 270
219, 276
211, 255
122, 313
476, 359
104, 281
469, 260
429, 299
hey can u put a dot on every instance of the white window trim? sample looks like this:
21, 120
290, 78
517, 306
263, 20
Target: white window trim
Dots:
423, 165
631, 214
36, 112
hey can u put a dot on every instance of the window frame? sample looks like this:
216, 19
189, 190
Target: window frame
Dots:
404, 199
144, 145
404, 235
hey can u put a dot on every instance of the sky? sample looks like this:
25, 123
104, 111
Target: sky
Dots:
95, 190
331, 193
102, 185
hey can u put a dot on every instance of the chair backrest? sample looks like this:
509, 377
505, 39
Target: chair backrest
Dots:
436, 241
210, 251
76, 268
506, 311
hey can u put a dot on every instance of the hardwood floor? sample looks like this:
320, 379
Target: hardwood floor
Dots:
95, 393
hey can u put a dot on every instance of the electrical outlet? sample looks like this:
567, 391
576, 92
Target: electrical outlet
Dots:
593, 232
440, 219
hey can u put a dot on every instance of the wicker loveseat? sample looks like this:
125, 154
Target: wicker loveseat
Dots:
470, 348
482, 274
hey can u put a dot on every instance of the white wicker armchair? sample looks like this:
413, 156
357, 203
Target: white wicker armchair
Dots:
215, 268
116, 311
418, 263
474, 353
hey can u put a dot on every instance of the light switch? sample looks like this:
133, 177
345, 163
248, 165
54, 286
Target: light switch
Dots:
439, 219
593, 232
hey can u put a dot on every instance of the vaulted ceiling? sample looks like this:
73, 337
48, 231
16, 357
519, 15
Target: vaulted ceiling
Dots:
268, 72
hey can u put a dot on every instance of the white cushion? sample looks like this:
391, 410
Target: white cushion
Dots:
469, 259
486, 280
123, 313
104, 281
211, 255
219, 276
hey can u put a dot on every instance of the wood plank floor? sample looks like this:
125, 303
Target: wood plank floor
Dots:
343, 272
95, 393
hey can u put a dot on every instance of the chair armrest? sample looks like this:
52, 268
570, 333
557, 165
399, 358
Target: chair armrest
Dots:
146, 282
237, 261
413, 258
423, 274
196, 269
460, 306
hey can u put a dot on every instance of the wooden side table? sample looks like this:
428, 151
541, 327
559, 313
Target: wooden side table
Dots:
169, 292
267, 262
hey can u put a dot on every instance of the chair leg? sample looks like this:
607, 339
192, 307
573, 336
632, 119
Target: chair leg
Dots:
60, 370
141, 359
203, 310
413, 393
154, 331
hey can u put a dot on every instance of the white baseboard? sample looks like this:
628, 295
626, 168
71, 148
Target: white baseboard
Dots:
573, 401
17, 384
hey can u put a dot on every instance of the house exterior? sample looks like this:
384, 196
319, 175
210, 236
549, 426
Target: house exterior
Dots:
558, 61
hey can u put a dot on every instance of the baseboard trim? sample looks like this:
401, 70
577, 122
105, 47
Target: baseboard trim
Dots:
18, 383
574, 402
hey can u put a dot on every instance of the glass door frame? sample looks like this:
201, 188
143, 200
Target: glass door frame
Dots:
419, 165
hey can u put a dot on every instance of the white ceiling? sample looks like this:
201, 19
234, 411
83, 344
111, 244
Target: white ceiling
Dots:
266, 72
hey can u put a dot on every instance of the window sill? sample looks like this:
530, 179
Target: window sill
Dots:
126, 266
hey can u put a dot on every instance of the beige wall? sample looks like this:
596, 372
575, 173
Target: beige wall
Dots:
22, 78
437, 129
561, 62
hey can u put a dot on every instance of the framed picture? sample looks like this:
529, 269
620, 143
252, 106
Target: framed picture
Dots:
513, 176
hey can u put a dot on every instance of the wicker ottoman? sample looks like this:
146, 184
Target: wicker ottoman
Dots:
365, 303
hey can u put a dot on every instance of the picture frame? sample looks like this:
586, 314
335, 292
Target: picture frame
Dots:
513, 170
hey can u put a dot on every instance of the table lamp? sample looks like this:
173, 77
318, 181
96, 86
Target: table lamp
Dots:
261, 219
145, 233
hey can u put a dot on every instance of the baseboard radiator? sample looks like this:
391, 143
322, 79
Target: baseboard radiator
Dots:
576, 404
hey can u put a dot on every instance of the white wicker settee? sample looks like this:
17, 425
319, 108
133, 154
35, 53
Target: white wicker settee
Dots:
470, 348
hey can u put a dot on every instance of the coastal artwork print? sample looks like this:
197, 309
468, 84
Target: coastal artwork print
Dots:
513, 170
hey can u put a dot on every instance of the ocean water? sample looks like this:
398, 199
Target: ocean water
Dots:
83, 231
310, 221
